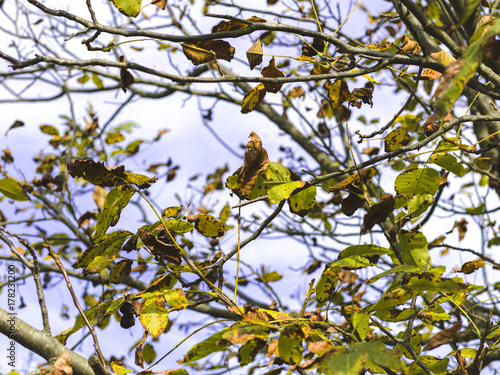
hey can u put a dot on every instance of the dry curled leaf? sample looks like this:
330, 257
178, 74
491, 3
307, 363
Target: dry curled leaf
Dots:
471, 266
461, 227
378, 212
62, 365
256, 161
409, 45
160, 3
126, 78
364, 94
449, 73
444, 337
271, 71
161, 245
254, 54
205, 51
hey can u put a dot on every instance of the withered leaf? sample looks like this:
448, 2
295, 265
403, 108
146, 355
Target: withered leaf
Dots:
126, 78
298, 92
430, 74
271, 71
409, 45
449, 73
204, 51
351, 204
320, 68
228, 26
378, 212
365, 94
364, 174
254, 54
371, 151
462, 228
338, 93
471, 266
98, 174
444, 337
120, 271
253, 98
256, 161
161, 245
347, 277
160, 3
7, 156
62, 365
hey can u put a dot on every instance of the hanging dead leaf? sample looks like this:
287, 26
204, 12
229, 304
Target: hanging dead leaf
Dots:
351, 204
323, 130
462, 228
449, 73
253, 98
378, 212
254, 54
7, 156
429, 74
271, 71
338, 93
126, 78
347, 277
120, 271
365, 94
462, 363
364, 174
204, 51
298, 92
62, 365
99, 197
139, 356
98, 174
161, 245
409, 45
444, 337
471, 266
160, 3
371, 151
312, 49
256, 161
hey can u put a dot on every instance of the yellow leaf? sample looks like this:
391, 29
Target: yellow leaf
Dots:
254, 54
338, 93
253, 98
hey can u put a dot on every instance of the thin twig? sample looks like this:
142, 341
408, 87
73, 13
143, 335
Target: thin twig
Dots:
77, 304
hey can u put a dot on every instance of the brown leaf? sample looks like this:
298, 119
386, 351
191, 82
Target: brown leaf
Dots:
347, 277
126, 78
378, 212
97, 173
409, 45
462, 363
351, 204
444, 337
62, 365
120, 271
254, 54
462, 228
298, 92
256, 161
449, 73
160, 3
429, 74
364, 93
139, 358
253, 98
371, 151
7, 156
204, 51
364, 174
271, 71
161, 245
99, 197
228, 26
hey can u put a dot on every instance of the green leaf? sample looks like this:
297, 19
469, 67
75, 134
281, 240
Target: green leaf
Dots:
302, 202
415, 342
283, 191
148, 353
448, 162
413, 247
94, 315
364, 251
361, 323
418, 204
401, 268
108, 246
213, 344
290, 344
346, 364
153, 314
417, 181
225, 213
49, 129
209, 226
116, 200
171, 212
432, 314
478, 210
428, 282
396, 139
392, 314
380, 355
179, 226
326, 285
468, 65
271, 276
11, 189
434, 364
129, 8
248, 351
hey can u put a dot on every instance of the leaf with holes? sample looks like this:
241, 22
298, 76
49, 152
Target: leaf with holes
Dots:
413, 247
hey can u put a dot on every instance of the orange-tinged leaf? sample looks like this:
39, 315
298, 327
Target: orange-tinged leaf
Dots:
443, 57
160, 3
444, 337
430, 74
409, 45
253, 98
62, 365
271, 71
204, 51
254, 54
298, 92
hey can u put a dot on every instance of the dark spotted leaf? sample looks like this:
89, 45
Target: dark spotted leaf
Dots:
253, 98
116, 200
205, 51
120, 271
